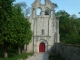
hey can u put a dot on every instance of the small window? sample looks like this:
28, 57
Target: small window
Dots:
43, 32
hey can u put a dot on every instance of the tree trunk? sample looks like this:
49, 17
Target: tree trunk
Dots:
19, 50
25, 47
5, 50
5, 54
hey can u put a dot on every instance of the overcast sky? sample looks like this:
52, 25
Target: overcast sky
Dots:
70, 6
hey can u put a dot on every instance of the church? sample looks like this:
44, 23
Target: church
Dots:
45, 27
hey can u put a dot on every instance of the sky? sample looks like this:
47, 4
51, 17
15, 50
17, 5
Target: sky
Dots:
70, 6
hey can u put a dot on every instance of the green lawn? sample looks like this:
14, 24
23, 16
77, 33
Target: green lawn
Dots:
12, 55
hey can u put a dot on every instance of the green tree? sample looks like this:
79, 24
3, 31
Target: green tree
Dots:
5, 24
25, 10
14, 28
22, 26
55, 5
69, 27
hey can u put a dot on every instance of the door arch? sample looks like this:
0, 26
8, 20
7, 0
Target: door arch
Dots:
41, 47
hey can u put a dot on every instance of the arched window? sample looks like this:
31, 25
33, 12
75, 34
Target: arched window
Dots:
42, 1
43, 32
47, 11
38, 11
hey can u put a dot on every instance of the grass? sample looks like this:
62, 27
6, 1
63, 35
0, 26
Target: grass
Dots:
21, 56
55, 57
13, 55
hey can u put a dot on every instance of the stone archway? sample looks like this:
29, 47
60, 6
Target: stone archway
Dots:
42, 44
41, 47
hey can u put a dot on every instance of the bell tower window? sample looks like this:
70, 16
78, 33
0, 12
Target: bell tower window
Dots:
47, 11
38, 11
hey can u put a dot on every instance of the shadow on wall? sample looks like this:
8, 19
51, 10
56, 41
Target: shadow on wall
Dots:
68, 51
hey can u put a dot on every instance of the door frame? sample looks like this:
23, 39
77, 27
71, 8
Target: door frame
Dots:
46, 45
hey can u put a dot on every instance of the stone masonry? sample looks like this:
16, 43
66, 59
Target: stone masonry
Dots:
68, 51
45, 27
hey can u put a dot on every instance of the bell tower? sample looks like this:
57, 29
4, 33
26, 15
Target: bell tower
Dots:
44, 25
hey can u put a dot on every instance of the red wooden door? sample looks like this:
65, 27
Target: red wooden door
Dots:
42, 47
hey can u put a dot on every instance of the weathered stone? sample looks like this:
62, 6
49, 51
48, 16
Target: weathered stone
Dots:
69, 52
45, 26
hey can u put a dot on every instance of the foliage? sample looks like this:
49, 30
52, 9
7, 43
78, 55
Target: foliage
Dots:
55, 5
5, 24
5, 20
14, 27
22, 26
25, 10
69, 27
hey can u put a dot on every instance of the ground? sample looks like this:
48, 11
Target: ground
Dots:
40, 56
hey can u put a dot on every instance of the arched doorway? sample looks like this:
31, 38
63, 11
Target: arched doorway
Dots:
42, 47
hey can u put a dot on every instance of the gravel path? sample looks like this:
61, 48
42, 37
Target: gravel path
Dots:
40, 56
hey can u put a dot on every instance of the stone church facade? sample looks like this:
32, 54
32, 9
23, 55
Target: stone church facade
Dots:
45, 27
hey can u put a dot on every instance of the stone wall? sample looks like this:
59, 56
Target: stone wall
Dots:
69, 52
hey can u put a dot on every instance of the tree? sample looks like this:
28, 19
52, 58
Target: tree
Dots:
14, 28
25, 9
22, 26
74, 16
79, 12
55, 5
69, 27
5, 24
